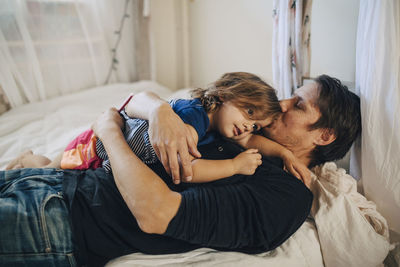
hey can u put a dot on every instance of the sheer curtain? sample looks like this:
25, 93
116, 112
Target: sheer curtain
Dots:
51, 48
290, 44
378, 84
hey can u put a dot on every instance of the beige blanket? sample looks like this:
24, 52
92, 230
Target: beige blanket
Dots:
350, 230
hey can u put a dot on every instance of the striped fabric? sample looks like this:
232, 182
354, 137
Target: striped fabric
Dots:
137, 137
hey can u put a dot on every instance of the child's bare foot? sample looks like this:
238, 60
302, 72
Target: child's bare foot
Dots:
28, 160
17, 162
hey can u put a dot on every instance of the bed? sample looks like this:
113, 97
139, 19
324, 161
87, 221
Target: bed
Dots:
343, 228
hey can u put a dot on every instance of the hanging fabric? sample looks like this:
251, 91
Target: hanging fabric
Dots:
378, 84
52, 48
290, 44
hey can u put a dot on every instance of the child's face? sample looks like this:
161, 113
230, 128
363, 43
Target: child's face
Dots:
234, 123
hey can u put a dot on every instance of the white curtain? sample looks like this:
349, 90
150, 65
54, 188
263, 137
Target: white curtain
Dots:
290, 44
52, 48
378, 84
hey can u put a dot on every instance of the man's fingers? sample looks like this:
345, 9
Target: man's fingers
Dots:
192, 146
191, 143
187, 172
157, 151
164, 159
173, 164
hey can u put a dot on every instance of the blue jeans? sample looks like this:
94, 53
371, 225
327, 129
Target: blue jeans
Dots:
35, 228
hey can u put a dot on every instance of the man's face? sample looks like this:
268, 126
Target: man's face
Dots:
291, 129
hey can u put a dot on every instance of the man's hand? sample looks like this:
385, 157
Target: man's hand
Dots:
296, 168
247, 162
172, 142
108, 122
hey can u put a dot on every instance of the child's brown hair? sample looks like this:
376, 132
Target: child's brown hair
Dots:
243, 89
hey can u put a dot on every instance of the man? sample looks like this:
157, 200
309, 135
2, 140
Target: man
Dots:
135, 210
248, 214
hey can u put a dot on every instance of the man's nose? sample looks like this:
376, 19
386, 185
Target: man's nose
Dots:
285, 104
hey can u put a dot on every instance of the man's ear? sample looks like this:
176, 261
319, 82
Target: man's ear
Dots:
326, 137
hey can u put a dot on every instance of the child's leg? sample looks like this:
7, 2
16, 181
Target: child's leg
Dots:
29, 160
56, 162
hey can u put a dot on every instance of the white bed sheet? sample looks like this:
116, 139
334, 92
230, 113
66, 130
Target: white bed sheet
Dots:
47, 127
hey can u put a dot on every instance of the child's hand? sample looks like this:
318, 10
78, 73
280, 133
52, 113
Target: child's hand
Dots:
297, 168
247, 162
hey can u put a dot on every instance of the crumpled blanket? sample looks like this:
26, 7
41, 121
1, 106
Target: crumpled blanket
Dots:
350, 229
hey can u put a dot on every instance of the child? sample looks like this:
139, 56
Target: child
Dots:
235, 106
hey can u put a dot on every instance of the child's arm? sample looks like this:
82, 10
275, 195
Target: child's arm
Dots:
210, 170
268, 147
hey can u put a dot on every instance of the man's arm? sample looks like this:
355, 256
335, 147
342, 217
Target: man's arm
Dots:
149, 199
252, 215
168, 134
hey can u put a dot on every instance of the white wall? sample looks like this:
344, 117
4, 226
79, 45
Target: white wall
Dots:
333, 38
236, 35
165, 40
228, 35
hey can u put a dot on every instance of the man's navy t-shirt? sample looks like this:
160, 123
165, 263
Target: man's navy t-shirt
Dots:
251, 214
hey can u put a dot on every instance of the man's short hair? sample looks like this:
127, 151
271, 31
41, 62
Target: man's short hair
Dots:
340, 113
